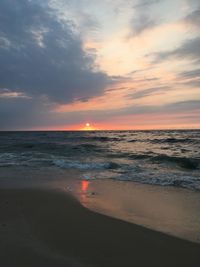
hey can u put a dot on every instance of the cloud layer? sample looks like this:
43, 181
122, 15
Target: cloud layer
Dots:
64, 62
190, 49
40, 55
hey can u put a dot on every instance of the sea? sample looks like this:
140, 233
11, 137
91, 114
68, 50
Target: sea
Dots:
161, 157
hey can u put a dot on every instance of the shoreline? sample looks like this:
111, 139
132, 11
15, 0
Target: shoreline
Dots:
50, 228
170, 210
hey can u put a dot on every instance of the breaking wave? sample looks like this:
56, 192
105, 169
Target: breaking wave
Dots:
167, 158
85, 165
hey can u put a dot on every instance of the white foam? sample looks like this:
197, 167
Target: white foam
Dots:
80, 165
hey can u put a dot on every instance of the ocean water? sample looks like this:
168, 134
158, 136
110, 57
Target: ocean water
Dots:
166, 158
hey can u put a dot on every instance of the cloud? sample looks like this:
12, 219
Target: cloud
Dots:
79, 13
141, 23
34, 114
143, 19
181, 107
192, 83
148, 92
43, 62
190, 74
190, 78
145, 3
19, 113
6, 93
193, 18
41, 55
190, 49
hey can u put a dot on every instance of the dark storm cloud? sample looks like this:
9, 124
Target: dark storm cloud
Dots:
40, 55
19, 113
190, 49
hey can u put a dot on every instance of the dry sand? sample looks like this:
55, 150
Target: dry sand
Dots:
49, 228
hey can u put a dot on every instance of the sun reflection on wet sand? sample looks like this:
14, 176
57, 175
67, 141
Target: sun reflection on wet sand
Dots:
84, 192
84, 186
177, 213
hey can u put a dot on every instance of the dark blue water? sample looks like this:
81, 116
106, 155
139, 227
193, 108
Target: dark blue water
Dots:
152, 157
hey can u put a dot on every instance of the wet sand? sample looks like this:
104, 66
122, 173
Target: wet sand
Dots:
49, 228
172, 210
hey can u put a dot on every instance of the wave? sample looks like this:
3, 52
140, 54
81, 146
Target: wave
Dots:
134, 140
172, 140
166, 140
85, 165
103, 138
25, 159
66, 154
183, 162
62, 148
124, 171
183, 182
139, 175
186, 163
139, 156
87, 147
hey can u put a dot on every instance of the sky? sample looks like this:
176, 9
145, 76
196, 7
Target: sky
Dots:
118, 65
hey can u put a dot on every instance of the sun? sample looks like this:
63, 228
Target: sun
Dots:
88, 127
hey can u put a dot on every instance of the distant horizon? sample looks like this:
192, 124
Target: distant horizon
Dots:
121, 130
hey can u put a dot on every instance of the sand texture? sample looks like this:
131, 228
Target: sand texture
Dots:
49, 228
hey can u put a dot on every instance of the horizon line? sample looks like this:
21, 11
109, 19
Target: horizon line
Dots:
108, 130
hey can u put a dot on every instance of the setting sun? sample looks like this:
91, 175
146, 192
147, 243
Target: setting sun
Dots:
100, 133
88, 127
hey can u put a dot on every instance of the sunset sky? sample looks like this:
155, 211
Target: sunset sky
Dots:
131, 64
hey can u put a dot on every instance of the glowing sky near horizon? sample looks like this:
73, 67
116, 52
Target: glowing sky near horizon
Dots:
131, 64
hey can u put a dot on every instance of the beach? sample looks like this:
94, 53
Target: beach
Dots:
99, 133
46, 226
100, 199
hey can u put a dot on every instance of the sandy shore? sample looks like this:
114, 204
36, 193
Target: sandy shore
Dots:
49, 228
171, 210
